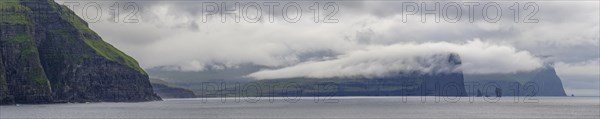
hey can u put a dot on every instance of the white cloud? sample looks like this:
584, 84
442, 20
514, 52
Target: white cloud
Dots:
588, 68
580, 78
378, 60
170, 34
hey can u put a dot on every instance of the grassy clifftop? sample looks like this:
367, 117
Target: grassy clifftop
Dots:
13, 13
49, 54
92, 39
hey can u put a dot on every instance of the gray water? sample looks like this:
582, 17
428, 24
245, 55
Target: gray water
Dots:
308, 107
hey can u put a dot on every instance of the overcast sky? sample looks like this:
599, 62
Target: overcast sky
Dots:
366, 38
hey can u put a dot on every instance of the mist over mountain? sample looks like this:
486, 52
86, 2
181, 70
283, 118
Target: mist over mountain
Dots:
565, 31
445, 73
369, 50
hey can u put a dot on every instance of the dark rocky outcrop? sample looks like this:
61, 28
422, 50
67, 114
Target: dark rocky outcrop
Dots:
539, 82
50, 55
549, 83
5, 97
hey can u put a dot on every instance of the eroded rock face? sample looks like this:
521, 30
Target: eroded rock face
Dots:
50, 55
5, 98
548, 82
540, 82
25, 76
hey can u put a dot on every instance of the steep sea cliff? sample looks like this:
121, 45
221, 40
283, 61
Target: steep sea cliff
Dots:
49, 54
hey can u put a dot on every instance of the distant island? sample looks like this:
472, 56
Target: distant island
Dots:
411, 83
539, 82
49, 55
169, 90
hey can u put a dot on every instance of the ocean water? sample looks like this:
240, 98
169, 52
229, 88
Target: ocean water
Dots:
310, 107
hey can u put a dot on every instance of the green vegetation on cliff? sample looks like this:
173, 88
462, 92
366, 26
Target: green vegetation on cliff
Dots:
28, 49
111, 53
94, 41
20, 38
13, 19
50, 55
23, 77
13, 13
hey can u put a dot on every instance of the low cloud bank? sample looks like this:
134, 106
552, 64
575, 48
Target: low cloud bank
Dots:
478, 57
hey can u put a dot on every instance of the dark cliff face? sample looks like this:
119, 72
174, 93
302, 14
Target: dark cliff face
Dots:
549, 83
5, 98
540, 82
25, 77
50, 55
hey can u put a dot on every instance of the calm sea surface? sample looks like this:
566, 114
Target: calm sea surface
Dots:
308, 107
